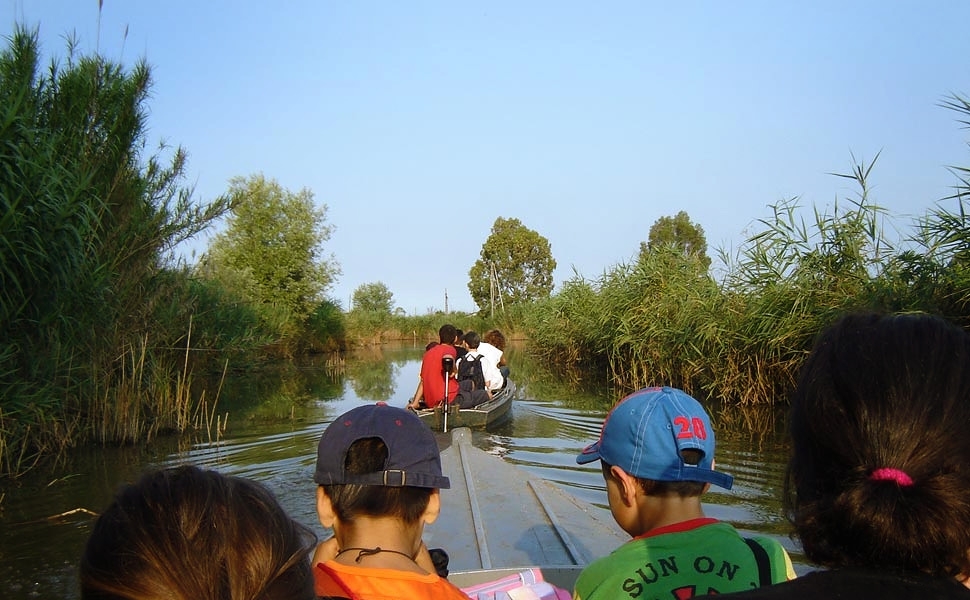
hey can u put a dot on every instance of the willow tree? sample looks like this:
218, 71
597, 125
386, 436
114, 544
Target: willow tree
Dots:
373, 297
271, 252
515, 266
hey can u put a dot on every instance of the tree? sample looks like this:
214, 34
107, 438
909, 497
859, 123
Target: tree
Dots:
516, 266
373, 297
678, 231
271, 252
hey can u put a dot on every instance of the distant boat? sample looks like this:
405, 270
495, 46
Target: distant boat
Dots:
484, 415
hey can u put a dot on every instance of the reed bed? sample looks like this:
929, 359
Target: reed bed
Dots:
664, 320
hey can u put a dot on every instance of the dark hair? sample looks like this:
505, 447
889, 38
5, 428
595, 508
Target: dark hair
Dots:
495, 338
369, 455
683, 489
187, 533
473, 340
447, 334
883, 392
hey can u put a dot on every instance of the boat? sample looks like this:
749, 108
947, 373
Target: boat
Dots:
498, 520
486, 414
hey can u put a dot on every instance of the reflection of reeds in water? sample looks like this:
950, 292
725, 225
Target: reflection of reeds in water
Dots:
754, 425
335, 364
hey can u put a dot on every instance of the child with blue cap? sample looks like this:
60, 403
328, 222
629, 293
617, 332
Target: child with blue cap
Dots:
656, 451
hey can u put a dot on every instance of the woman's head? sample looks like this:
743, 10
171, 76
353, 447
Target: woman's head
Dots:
495, 338
880, 467
185, 533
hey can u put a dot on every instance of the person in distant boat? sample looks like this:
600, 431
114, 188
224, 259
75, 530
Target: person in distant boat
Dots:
878, 480
379, 474
656, 452
472, 372
183, 533
493, 346
459, 343
431, 384
493, 380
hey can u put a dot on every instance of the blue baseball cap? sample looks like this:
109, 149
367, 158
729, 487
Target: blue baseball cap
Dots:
413, 458
646, 431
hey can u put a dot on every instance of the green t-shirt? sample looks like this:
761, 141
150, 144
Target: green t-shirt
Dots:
693, 558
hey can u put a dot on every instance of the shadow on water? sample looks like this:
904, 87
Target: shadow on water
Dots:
276, 418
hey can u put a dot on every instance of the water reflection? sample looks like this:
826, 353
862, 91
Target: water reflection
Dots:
275, 420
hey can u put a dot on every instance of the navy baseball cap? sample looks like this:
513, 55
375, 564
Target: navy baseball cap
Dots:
646, 431
413, 458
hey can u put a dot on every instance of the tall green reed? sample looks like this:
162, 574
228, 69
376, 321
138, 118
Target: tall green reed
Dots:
86, 217
664, 320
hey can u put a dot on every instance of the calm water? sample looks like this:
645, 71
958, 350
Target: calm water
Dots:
276, 419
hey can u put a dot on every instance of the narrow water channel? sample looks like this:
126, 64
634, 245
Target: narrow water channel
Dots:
275, 420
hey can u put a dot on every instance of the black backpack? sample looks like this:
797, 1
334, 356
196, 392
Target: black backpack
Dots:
470, 369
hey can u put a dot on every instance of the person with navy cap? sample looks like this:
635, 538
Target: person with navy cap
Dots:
656, 451
379, 472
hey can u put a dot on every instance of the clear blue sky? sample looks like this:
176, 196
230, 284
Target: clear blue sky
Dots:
419, 123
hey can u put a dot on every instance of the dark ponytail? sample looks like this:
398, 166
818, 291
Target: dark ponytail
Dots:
880, 468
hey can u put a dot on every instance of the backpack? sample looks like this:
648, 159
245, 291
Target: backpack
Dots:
761, 558
470, 369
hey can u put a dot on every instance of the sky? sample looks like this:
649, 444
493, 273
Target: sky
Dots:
418, 124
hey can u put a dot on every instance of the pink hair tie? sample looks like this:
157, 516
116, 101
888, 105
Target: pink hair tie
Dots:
900, 477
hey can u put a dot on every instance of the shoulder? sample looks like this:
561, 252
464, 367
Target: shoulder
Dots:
445, 590
591, 575
325, 584
605, 565
771, 546
488, 349
440, 350
778, 559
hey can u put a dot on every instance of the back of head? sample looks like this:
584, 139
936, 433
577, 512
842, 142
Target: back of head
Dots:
878, 475
473, 340
495, 338
447, 334
379, 460
660, 434
183, 533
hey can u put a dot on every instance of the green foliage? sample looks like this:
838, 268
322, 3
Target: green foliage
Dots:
222, 325
678, 232
86, 220
664, 321
373, 297
515, 267
626, 322
271, 252
326, 328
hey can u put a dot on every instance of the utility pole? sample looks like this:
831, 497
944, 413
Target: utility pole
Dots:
491, 286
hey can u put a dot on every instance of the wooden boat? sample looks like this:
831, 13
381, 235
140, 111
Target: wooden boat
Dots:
497, 519
488, 413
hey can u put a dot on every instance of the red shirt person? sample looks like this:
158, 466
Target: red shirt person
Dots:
431, 388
